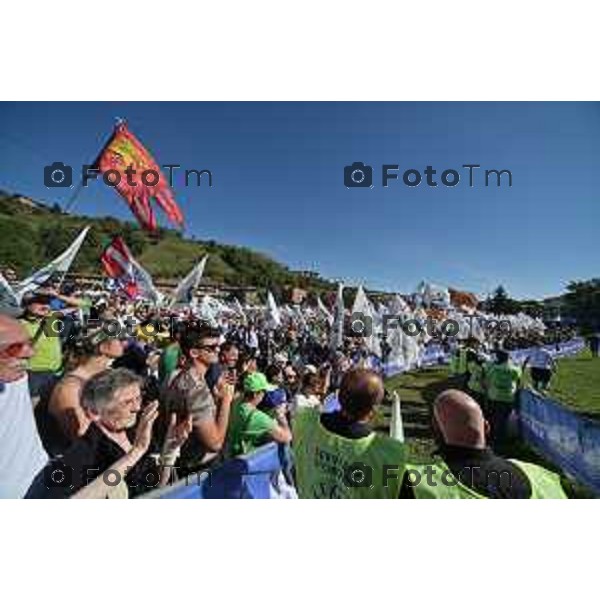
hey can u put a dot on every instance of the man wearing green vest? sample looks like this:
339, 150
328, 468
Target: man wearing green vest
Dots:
44, 327
337, 455
502, 379
467, 468
476, 374
458, 361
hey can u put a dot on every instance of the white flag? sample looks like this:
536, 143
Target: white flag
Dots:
208, 310
363, 307
323, 309
396, 424
59, 265
7, 296
274, 312
337, 329
185, 290
240, 310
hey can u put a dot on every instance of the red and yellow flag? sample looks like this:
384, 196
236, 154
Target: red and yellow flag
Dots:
124, 151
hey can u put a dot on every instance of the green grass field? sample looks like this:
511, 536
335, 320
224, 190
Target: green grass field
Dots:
576, 384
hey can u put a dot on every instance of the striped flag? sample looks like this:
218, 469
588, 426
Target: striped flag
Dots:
116, 260
119, 264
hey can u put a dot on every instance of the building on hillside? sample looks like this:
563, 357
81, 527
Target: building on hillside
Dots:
460, 298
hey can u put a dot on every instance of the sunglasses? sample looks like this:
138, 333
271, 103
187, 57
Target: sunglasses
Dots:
15, 350
210, 348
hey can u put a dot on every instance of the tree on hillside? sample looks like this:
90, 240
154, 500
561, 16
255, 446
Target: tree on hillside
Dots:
583, 303
501, 303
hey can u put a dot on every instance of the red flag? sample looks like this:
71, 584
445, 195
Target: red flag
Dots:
123, 151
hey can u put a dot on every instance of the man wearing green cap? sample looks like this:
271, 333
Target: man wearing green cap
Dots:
249, 427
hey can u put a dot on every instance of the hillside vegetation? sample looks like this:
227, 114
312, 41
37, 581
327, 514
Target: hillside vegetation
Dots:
32, 234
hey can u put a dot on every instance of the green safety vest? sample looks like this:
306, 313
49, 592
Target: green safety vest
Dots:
458, 362
47, 350
453, 365
502, 381
544, 483
326, 462
476, 375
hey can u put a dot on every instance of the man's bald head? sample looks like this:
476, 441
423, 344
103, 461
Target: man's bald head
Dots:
460, 420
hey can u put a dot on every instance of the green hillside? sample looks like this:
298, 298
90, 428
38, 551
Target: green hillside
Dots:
31, 234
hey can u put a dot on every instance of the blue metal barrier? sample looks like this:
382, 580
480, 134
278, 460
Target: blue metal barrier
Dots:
250, 476
568, 440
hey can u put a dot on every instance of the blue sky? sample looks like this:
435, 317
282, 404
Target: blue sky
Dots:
278, 183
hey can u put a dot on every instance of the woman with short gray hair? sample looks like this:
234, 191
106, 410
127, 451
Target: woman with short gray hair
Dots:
110, 460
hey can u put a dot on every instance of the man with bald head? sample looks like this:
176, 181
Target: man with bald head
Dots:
21, 451
338, 455
468, 468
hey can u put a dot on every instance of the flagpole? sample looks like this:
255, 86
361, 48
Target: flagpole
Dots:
73, 197
77, 190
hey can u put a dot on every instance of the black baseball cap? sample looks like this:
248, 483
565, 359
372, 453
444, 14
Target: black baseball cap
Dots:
34, 298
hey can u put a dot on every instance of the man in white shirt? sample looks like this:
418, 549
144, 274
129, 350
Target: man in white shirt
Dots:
541, 365
21, 452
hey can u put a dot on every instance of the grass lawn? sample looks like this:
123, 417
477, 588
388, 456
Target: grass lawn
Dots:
417, 391
577, 383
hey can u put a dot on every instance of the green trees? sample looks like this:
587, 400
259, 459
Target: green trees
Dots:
582, 302
18, 248
501, 303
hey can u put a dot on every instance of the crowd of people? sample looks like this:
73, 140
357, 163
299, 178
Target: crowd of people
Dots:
104, 397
